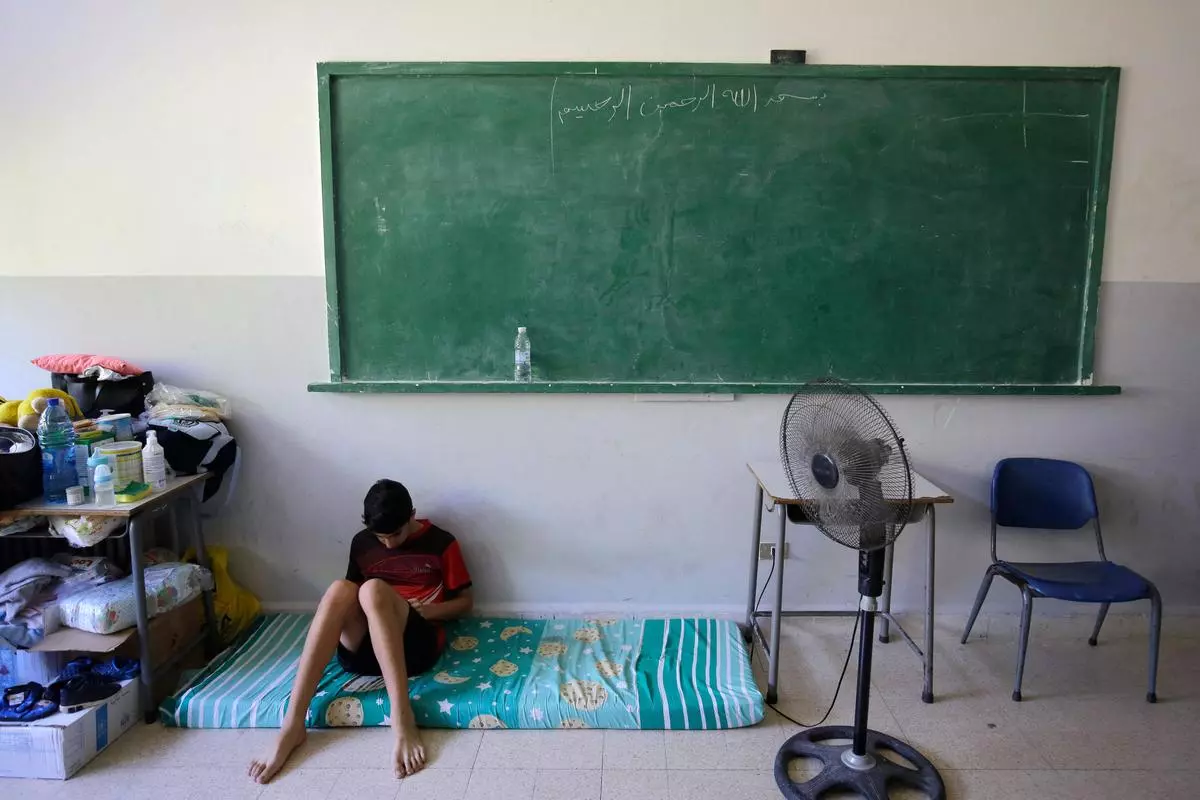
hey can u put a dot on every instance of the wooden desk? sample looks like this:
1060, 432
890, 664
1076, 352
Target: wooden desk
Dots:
188, 488
771, 485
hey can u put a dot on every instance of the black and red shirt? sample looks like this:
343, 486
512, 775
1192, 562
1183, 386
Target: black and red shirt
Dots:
427, 567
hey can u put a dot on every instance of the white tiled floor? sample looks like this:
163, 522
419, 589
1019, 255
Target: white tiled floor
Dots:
1083, 731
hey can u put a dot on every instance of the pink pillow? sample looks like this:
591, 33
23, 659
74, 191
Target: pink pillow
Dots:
80, 362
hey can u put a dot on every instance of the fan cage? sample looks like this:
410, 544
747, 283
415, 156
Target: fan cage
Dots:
831, 422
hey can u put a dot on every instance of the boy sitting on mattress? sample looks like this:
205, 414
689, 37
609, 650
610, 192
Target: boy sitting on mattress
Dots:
405, 576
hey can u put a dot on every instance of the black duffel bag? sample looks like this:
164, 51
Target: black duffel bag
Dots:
20, 473
124, 396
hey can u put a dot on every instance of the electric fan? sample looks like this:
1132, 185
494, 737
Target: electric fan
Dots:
847, 466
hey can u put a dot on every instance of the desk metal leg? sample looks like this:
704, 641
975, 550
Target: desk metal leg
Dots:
137, 568
885, 602
210, 619
927, 692
755, 538
776, 609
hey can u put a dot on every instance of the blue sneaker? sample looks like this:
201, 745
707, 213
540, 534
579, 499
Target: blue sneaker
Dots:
76, 667
27, 702
118, 669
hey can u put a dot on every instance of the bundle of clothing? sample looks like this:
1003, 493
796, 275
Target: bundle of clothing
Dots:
190, 424
30, 588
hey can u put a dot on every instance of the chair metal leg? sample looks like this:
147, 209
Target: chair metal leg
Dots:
1155, 630
979, 598
1023, 646
1099, 621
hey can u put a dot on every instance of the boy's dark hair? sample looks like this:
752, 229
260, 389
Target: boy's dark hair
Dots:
387, 506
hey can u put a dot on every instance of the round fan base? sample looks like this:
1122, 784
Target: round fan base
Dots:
870, 775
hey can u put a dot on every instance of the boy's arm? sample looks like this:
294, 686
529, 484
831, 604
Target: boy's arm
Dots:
460, 606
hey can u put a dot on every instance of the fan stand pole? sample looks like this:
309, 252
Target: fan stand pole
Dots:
864, 767
857, 757
870, 586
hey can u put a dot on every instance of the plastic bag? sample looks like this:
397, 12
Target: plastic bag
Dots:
235, 607
165, 400
85, 530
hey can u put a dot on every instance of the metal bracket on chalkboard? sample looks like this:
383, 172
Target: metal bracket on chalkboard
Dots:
788, 56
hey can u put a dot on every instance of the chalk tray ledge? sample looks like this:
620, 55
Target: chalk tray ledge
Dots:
686, 387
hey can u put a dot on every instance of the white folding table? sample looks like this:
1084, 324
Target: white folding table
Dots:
771, 485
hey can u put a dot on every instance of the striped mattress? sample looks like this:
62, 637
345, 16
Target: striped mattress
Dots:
677, 674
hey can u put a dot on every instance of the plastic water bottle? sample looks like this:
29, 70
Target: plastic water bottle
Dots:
102, 484
523, 364
154, 463
57, 438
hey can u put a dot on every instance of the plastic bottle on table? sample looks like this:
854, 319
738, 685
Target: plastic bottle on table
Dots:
57, 438
154, 463
523, 365
95, 460
102, 485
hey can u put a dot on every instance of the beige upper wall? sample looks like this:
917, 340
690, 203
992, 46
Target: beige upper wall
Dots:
153, 138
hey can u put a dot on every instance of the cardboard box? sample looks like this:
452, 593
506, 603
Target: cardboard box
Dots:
59, 745
170, 632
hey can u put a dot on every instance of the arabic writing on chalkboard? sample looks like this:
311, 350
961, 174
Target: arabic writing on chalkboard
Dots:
631, 103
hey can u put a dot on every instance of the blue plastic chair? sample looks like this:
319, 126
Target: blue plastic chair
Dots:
1059, 495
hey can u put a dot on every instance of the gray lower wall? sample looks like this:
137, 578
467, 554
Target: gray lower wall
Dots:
569, 503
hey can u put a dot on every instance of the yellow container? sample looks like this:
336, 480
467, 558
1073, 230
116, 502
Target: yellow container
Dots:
128, 459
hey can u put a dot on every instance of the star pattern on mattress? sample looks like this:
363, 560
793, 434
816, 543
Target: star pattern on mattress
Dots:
566, 673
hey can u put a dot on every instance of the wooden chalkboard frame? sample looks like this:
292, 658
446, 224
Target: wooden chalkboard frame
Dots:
1108, 77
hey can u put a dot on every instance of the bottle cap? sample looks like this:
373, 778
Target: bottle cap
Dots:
53, 401
103, 474
521, 329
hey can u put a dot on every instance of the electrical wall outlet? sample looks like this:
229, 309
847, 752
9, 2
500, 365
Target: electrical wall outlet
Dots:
766, 551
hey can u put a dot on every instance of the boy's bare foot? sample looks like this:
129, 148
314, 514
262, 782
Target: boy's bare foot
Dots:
263, 769
409, 755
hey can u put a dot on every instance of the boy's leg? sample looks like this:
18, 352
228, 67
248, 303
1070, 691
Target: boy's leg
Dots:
338, 617
387, 617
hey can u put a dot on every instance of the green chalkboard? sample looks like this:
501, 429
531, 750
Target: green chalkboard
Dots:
713, 227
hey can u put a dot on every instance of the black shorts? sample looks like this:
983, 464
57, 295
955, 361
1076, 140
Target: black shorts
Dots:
420, 650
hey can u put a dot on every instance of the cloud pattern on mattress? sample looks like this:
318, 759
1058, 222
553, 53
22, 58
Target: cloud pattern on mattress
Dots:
499, 673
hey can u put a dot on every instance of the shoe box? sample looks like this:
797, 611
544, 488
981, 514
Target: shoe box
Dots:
59, 745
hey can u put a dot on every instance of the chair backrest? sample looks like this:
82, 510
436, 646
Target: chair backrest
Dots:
1042, 493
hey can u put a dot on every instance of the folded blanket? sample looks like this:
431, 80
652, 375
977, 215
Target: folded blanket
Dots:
20, 585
